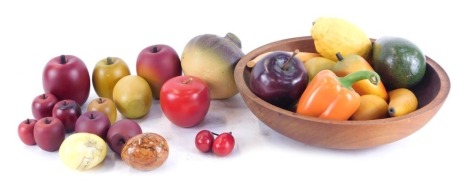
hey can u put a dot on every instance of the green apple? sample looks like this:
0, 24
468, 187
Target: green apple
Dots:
83, 151
132, 96
317, 64
106, 74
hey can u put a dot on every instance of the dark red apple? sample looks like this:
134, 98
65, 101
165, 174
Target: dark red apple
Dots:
49, 133
156, 64
67, 77
42, 105
94, 122
26, 131
279, 78
120, 132
67, 111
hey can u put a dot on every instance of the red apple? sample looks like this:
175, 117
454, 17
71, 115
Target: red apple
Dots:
67, 111
25, 131
106, 74
120, 132
67, 77
156, 64
42, 105
185, 100
49, 133
94, 122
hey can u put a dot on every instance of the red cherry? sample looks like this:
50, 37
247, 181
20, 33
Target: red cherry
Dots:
204, 140
223, 144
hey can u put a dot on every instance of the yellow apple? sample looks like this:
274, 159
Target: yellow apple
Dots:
104, 105
106, 74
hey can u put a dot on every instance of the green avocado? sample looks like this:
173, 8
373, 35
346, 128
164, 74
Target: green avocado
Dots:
399, 62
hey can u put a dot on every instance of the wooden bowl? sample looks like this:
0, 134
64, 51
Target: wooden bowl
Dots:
431, 92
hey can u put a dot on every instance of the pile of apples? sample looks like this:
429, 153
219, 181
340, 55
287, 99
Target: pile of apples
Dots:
66, 81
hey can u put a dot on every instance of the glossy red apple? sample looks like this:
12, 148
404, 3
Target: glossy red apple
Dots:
67, 77
120, 132
94, 122
49, 133
67, 111
157, 64
26, 131
42, 105
185, 100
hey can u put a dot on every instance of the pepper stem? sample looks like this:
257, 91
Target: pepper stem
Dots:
351, 78
286, 64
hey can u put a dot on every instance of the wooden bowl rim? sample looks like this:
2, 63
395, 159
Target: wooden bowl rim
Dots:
243, 87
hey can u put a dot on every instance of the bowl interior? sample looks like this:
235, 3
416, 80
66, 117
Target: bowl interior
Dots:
431, 93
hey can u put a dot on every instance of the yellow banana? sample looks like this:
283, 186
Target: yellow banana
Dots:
402, 102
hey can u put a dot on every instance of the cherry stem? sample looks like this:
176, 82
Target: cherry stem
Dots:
154, 49
109, 60
43, 96
62, 59
187, 80
219, 134
286, 64
100, 100
339, 56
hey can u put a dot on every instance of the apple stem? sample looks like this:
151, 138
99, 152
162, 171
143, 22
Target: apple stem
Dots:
43, 96
62, 59
339, 56
92, 116
187, 80
109, 60
286, 64
154, 49
65, 103
100, 100
47, 120
28, 121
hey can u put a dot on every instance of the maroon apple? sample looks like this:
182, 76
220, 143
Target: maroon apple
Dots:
94, 122
67, 77
49, 133
43, 104
67, 111
120, 132
156, 64
26, 133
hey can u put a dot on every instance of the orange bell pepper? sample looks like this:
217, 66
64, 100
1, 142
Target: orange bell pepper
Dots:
330, 97
352, 63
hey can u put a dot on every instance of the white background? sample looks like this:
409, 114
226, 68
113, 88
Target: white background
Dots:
32, 32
